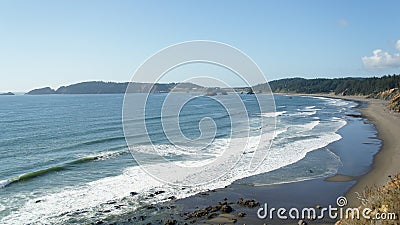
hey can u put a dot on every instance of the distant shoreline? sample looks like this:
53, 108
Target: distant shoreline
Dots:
101, 87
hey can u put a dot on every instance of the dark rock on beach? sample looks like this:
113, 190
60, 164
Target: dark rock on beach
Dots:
226, 209
204, 212
171, 197
143, 217
354, 115
223, 203
212, 215
302, 222
151, 207
241, 214
159, 192
248, 203
170, 222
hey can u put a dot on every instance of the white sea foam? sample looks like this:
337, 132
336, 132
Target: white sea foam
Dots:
101, 156
290, 131
4, 183
273, 114
280, 131
316, 97
311, 125
304, 113
216, 148
338, 102
333, 101
310, 107
54, 208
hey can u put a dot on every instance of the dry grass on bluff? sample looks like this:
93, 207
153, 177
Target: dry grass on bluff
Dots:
382, 202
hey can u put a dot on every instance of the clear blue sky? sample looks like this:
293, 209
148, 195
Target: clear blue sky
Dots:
53, 43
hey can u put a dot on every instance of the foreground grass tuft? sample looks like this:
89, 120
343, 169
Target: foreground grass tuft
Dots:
383, 202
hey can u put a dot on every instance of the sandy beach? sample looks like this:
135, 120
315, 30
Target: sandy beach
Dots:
386, 160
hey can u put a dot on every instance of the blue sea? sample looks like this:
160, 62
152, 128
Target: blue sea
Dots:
64, 158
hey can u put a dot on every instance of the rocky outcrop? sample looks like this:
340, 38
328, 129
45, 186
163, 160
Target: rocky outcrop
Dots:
251, 203
41, 91
226, 209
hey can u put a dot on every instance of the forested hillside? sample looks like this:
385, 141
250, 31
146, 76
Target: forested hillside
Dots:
341, 86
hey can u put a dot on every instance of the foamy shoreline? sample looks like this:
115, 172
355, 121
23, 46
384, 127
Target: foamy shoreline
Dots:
385, 162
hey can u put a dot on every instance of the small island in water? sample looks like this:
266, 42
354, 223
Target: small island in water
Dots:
8, 93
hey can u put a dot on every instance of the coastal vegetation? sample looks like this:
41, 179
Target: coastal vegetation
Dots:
386, 87
338, 86
382, 201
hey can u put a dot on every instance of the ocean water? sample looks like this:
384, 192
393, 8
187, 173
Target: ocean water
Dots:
64, 159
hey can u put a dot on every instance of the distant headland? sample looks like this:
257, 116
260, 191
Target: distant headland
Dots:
100, 87
338, 86
385, 87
